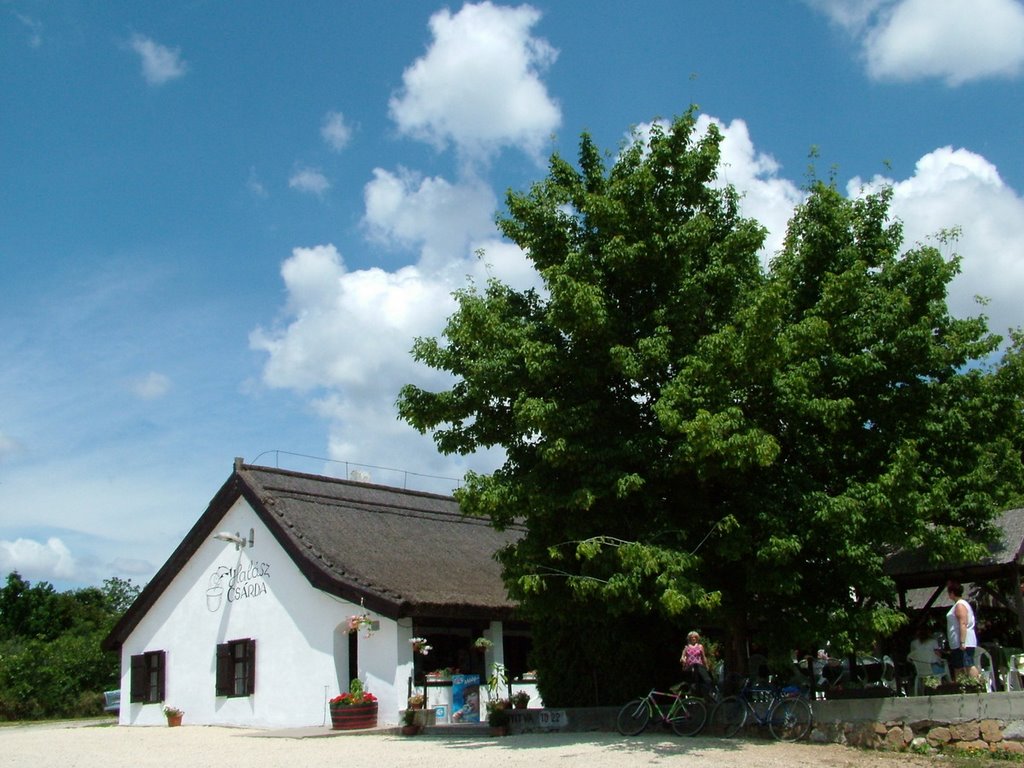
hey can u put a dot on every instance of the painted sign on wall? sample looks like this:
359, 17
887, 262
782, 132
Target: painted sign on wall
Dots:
234, 584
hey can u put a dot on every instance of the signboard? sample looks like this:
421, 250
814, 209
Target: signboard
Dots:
465, 698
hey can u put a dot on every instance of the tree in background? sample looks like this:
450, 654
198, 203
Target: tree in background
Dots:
51, 663
693, 440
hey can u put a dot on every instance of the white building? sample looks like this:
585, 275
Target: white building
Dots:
247, 622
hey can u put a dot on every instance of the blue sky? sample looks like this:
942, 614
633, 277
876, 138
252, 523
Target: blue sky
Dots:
221, 224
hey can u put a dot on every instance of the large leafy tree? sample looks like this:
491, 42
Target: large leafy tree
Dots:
690, 438
51, 663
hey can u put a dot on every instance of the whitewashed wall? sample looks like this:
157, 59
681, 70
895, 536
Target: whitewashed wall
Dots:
224, 594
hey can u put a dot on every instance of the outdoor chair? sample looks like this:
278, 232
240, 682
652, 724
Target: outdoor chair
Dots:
923, 669
984, 663
1015, 675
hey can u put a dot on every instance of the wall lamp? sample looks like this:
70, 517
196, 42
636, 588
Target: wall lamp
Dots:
236, 538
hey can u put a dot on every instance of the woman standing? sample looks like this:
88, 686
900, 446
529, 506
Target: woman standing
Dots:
960, 632
695, 664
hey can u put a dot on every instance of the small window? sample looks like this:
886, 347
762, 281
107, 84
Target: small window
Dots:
236, 668
147, 677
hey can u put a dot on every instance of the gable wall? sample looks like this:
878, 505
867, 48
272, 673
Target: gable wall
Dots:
224, 594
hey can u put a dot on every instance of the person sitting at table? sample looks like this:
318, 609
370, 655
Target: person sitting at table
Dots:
925, 648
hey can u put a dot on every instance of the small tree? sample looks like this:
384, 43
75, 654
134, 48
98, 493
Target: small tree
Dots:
690, 438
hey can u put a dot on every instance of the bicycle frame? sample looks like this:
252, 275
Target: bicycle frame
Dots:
684, 715
788, 717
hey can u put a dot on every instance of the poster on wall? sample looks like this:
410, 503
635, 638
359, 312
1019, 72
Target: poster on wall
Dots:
465, 698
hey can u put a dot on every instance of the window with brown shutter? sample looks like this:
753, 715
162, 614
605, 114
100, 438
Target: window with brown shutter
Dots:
236, 668
147, 680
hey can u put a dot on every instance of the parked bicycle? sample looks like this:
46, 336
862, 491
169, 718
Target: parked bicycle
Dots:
788, 716
685, 714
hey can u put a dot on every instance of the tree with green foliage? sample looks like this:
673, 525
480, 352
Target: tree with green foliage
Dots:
51, 663
692, 439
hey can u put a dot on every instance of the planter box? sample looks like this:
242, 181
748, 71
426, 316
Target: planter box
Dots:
354, 717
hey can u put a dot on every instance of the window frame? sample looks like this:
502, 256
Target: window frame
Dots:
236, 668
148, 677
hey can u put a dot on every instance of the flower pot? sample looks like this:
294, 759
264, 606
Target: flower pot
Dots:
173, 721
499, 730
410, 730
354, 717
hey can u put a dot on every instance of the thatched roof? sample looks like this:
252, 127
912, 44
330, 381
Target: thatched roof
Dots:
913, 568
400, 553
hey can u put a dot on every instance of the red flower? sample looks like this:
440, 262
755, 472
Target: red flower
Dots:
351, 700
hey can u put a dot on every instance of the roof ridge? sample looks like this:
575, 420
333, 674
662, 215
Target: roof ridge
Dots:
340, 480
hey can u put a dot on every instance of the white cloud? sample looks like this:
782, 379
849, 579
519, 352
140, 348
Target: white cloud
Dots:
347, 337
348, 329
335, 131
439, 217
478, 86
953, 40
957, 188
309, 180
35, 560
160, 64
152, 386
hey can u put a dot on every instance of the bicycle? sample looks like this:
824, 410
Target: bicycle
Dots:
788, 717
686, 715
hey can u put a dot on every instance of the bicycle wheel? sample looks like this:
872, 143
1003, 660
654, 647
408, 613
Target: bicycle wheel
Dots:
728, 716
789, 719
688, 717
633, 717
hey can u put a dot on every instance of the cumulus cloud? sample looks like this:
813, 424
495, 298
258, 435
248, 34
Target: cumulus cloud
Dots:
160, 64
958, 188
152, 386
478, 86
439, 217
951, 40
348, 329
310, 180
335, 131
35, 560
345, 339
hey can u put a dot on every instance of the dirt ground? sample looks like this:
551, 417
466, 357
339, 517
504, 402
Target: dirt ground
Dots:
110, 746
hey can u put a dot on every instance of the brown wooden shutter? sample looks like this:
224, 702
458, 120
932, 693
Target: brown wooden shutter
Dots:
225, 673
161, 671
250, 669
139, 682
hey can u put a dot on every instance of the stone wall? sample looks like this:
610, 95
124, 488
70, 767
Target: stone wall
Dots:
993, 722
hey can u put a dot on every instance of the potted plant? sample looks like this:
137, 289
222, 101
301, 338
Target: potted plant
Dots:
409, 726
360, 621
355, 709
173, 716
520, 699
968, 684
416, 701
482, 644
419, 645
497, 716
